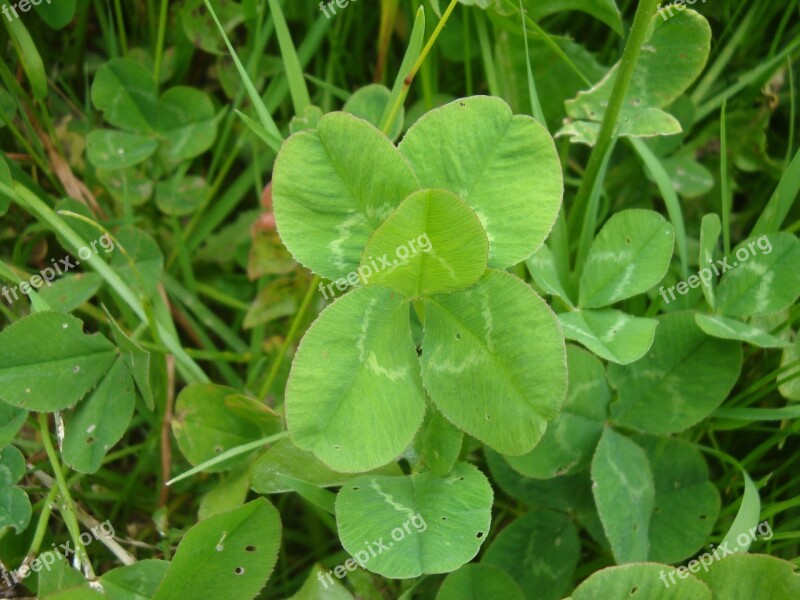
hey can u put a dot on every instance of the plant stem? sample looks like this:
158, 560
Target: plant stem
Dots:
162, 32
636, 39
67, 506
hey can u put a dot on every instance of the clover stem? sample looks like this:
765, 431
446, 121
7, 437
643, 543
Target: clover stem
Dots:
636, 39
67, 506
422, 56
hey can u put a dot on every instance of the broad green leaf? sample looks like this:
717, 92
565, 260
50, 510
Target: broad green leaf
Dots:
126, 94
48, 363
435, 244
15, 508
710, 230
111, 149
669, 390
285, 459
733, 329
12, 466
136, 359
686, 503
99, 422
403, 527
437, 444
604, 10
11, 421
648, 581
127, 185
366, 419
477, 149
570, 440
138, 581
672, 58
199, 27
630, 254
230, 555
748, 576
543, 269
56, 13
624, 492
71, 291
206, 425
790, 389
186, 123
369, 103
610, 334
479, 581
333, 187
689, 177
540, 551
229, 493
60, 577
181, 197
321, 584
761, 276
494, 362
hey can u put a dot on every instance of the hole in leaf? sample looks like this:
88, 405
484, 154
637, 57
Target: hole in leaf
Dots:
337, 447
634, 590
250, 549
217, 449
480, 535
90, 440
703, 517
239, 570
444, 518
458, 335
355, 489
488, 417
628, 240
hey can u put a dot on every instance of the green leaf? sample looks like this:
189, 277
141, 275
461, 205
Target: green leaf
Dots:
747, 576
111, 149
71, 291
370, 102
284, 458
11, 421
437, 444
672, 58
669, 390
136, 359
126, 94
746, 518
5, 172
478, 581
230, 555
444, 247
763, 276
624, 492
428, 524
477, 149
141, 264
138, 581
540, 551
603, 10
500, 341
610, 334
99, 422
686, 503
186, 123
317, 587
362, 421
333, 187
570, 440
181, 196
206, 423
710, 230
48, 362
12, 466
630, 254
733, 329
56, 13
30, 59
542, 267
649, 581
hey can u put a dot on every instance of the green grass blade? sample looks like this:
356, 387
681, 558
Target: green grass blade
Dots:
294, 71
